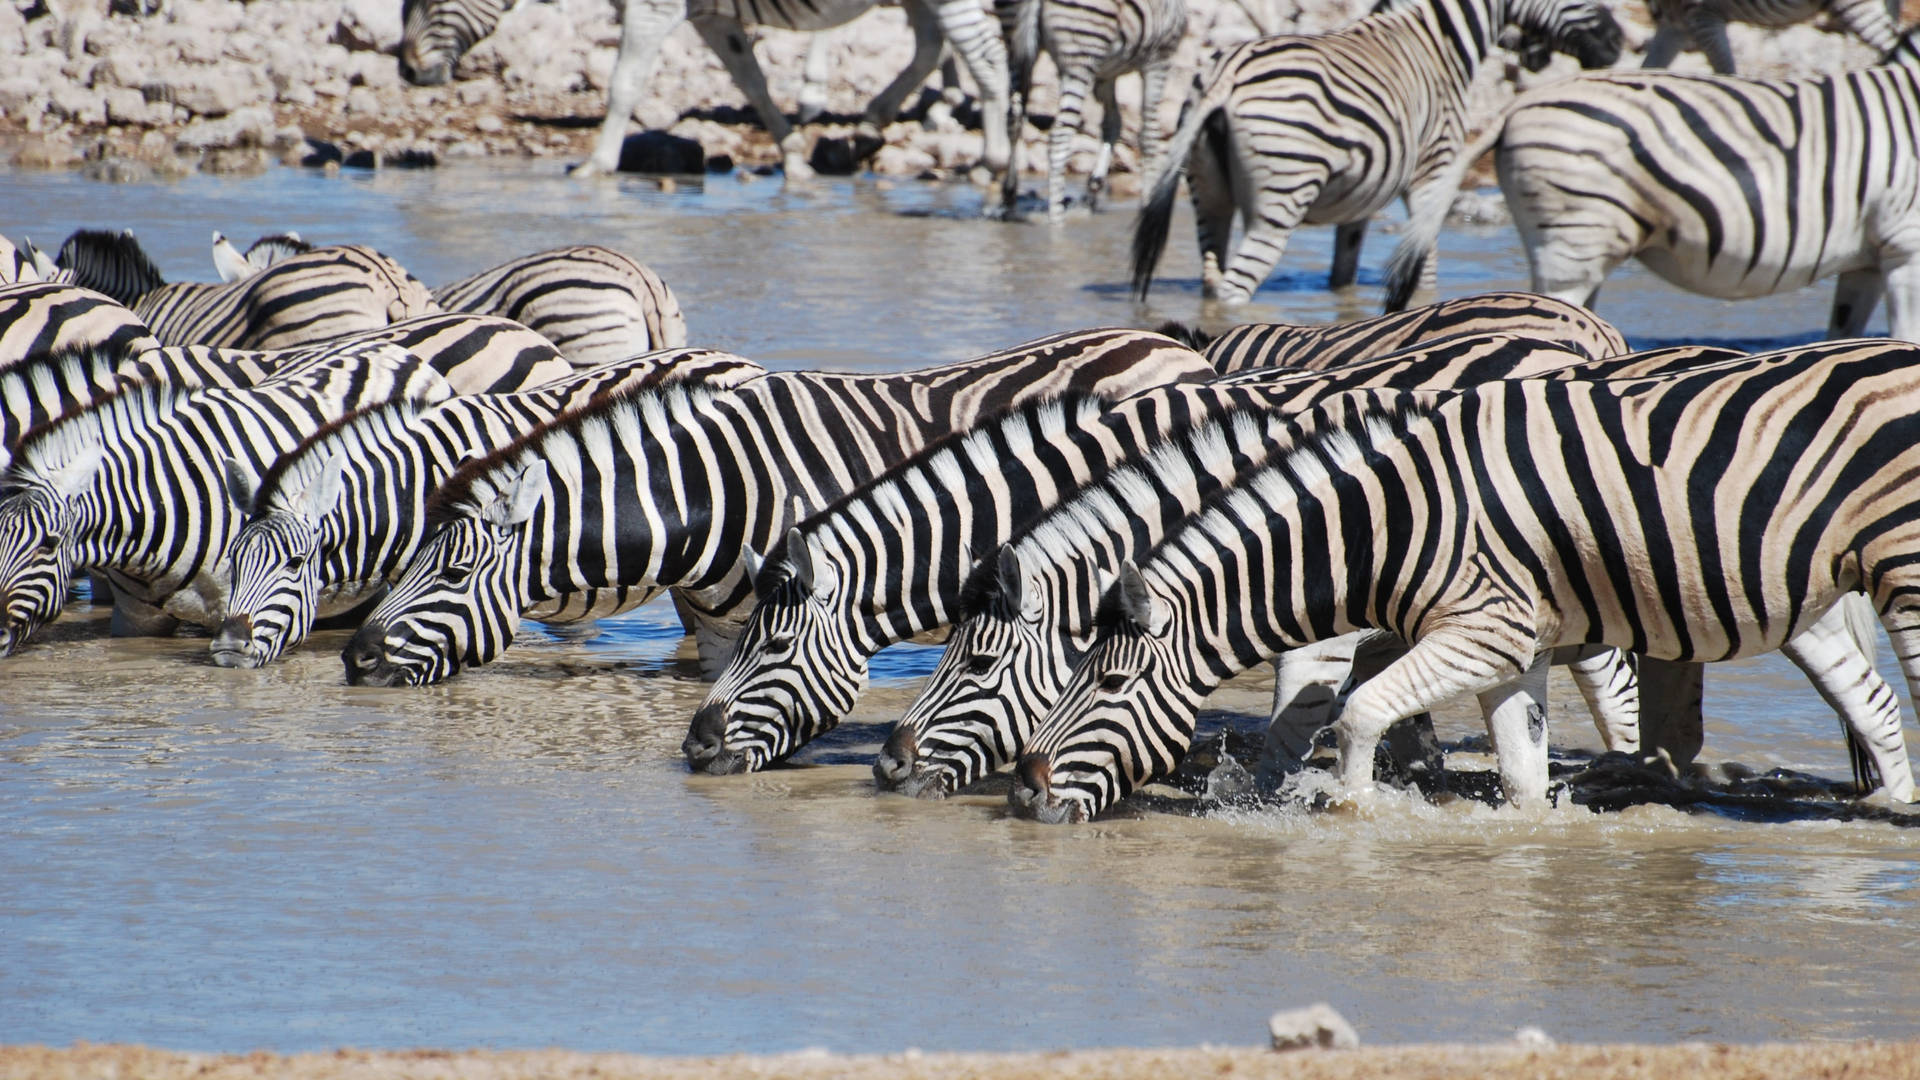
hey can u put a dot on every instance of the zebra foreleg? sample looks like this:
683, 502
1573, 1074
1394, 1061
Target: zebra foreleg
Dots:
927, 45
1855, 295
1067, 121
814, 73
729, 41
644, 24
137, 618
1307, 682
1671, 695
1211, 189
1666, 43
1608, 683
1109, 135
1516, 716
976, 37
1153, 89
1831, 657
1903, 300
1708, 29
1347, 239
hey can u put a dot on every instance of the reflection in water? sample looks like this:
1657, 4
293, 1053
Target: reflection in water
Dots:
220, 859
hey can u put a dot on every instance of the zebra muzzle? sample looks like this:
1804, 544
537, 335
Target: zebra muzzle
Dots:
706, 744
893, 767
1032, 793
233, 645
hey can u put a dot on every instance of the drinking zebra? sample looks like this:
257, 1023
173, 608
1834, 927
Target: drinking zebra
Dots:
676, 488
1734, 188
1702, 25
438, 32
1700, 516
316, 296
1328, 129
132, 484
891, 559
1092, 44
340, 516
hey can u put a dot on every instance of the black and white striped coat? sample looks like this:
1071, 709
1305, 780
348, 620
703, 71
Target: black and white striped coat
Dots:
1734, 188
340, 516
677, 489
15, 265
1699, 517
1328, 129
1702, 25
134, 484
595, 304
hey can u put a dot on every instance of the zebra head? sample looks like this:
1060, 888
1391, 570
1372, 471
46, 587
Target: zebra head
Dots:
437, 33
459, 602
1003, 666
794, 672
36, 553
1102, 738
275, 567
1583, 29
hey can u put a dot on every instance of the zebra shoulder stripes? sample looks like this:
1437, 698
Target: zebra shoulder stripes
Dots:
133, 484
436, 33
675, 488
889, 560
1734, 188
595, 304
1328, 129
1092, 44
338, 517
1622, 520
1702, 25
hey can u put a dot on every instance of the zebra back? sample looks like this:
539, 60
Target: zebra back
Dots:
40, 318
593, 303
478, 354
320, 295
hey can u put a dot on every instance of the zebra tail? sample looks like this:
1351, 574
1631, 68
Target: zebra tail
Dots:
1023, 36
1428, 213
1863, 625
1156, 210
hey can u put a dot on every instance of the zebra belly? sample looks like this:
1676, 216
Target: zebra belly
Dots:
1737, 276
821, 15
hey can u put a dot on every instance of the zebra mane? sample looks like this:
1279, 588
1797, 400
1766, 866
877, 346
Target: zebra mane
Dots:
1191, 336
290, 474
268, 250
478, 479
45, 449
110, 262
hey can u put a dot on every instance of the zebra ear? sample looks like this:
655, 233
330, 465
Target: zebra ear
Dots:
227, 260
72, 478
515, 505
240, 483
805, 569
753, 561
1012, 579
326, 487
42, 265
1140, 606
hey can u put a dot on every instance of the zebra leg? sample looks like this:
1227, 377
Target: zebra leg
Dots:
1671, 693
1153, 90
1708, 28
137, 618
1831, 657
1347, 239
1607, 681
1265, 239
813, 77
1211, 190
926, 56
1855, 296
1516, 716
1307, 682
1109, 135
644, 24
729, 41
1903, 300
1074, 84
976, 37
1666, 43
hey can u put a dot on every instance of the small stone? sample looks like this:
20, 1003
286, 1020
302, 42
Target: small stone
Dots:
362, 101
489, 124
1317, 1027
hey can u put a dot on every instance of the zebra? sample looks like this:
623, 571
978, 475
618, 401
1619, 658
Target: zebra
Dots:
1702, 25
1700, 516
132, 484
477, 354
1734, 188
316, 296
890, 559
593, 303
1322, 348
1330, 128
704, 478
438, 32
15, 265
338, 517
232, 264
1092, 44
38, 318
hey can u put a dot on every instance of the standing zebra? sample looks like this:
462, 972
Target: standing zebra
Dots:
1735, 188
438, 32
132, 484
1026, 614
1329, 129
315, 296
1092, 44
891, 559
677, 488
340, 516
1700, 516
1324, 348
593, 303
1702, 25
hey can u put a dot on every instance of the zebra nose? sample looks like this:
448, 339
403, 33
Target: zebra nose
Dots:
366, 653
706, 737
895, 762
1032, 783
230, 645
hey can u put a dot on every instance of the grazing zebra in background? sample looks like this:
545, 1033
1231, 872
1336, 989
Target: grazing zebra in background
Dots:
1734, 188
1026, 614
890, 559
1702, 25
132, 484
438, 32
337, 518
593, 303
322, 294
704, 479
1700, 516
1328, 129
1335, 345
1092, 44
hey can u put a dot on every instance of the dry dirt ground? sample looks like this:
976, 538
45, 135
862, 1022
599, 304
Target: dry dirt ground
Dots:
1692, 1061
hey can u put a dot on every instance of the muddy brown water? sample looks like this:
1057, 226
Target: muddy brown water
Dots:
210, 859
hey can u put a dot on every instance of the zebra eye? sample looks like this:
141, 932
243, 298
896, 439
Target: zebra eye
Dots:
1114, 682
780, 644
980, 664
49, 543
455, 573
295, 562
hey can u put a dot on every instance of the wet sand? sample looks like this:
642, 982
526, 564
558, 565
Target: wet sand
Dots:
1803, 1061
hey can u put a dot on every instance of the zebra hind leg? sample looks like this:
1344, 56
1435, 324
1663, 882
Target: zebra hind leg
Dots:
1708, 29
729, 41
644, 24
927, 47
1855, 295
1109, 135
1869, 710
1610, 686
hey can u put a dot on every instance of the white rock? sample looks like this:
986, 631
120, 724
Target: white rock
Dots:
1531, 1036
362, 101
368, 26
1315, 1027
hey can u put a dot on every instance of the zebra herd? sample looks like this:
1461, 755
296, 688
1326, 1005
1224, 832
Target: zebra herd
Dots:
1111, 522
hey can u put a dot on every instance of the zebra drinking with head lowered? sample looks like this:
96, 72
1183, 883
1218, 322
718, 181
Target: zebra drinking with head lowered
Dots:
1328, 129
1699, 516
